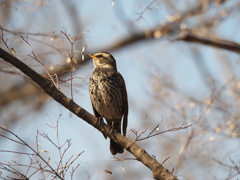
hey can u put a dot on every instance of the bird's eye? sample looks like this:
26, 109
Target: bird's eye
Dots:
99, 55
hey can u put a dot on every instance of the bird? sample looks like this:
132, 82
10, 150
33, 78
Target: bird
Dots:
108, 95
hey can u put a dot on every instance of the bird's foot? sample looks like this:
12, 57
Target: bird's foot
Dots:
112, 127
100, 120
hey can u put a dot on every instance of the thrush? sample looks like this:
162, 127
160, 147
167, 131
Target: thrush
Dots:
108, 95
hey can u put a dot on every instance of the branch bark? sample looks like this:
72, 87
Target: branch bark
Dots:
159, 172
210, 41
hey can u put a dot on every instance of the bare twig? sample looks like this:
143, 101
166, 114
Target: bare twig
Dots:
168, 130
13, 170
38, 59
34, 163
73, 170
69, 164
71, 56
138, 134
19, 33
147, 8
3, 40
184, 149
35, 152
63, 168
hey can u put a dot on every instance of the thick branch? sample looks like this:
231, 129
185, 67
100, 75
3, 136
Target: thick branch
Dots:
159, 172
210, 41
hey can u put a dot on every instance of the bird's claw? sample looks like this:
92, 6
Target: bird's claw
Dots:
112, 127
100, 119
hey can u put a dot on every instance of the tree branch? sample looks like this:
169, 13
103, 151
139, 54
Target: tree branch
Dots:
210, 41
159, 172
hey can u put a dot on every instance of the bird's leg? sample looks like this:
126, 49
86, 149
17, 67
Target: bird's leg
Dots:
112, 127
100, 120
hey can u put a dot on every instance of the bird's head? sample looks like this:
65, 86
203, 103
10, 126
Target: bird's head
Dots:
103, 60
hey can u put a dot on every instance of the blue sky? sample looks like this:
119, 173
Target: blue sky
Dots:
105, 24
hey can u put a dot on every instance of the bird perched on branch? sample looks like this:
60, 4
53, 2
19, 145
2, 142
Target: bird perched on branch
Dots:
108, 95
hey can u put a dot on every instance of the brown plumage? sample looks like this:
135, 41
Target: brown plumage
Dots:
108, 95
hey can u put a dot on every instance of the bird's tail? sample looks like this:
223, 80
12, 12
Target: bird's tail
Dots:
114, 147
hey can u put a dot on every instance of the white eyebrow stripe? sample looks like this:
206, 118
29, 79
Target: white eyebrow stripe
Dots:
103, 54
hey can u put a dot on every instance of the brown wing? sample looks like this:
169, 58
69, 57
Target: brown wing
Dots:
125, 105
98, 116
95, 112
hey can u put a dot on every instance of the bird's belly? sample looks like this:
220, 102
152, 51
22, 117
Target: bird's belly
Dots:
107, 110
106, 97
109, 106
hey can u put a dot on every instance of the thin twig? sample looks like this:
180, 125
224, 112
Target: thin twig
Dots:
168, 130
147, 8
71, 56
38, 59
37, 153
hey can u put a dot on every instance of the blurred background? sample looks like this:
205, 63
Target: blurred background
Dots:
170, 82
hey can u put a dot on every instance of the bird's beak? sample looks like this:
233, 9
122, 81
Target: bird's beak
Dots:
91, 56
